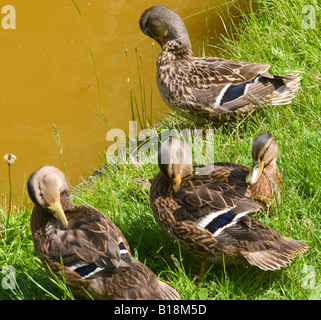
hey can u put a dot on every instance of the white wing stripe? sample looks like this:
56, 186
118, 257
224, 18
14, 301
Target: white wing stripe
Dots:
92, 273
234, 221
122, 246
203, 222
220, 97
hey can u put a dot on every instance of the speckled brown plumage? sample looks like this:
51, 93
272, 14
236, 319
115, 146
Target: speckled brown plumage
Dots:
209, 89
88, 251
267, 189
263, 191
210, 219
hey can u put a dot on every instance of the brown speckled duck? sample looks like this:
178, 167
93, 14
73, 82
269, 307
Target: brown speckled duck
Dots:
209, 218
85, 246
209, 89
263, 182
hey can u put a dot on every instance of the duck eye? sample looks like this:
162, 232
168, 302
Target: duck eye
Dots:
41, 194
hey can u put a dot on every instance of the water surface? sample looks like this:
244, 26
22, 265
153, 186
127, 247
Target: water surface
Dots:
48, 77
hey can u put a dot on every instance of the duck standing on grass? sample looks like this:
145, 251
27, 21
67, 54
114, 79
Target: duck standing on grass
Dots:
263, 182
209, 218
83, 246
209, 89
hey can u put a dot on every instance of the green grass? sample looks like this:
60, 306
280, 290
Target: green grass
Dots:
272, 34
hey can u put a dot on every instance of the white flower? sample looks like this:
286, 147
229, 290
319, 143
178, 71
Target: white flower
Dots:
9, 158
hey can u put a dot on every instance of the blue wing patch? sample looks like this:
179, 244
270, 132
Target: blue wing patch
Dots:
234, 92
220, 222
85, 270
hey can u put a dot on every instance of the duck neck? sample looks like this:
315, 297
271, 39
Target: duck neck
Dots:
66, 200
173, 51
163, 207
41, 216
272, 170
161, 185
271, 164
177, 42
178, 33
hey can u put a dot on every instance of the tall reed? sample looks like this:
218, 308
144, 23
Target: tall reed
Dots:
9, 159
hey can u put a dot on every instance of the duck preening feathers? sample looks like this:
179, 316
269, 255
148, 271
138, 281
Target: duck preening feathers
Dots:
211, 219
82, 245
209, 89
262, 182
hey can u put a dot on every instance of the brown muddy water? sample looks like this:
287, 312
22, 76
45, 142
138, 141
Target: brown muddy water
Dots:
48, 77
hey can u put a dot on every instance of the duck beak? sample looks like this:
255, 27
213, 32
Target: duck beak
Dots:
255, 173
177, 182
160, 40
58, 212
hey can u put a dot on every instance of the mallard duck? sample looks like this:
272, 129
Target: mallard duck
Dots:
209, 218
209, 89
263, 182
84, 246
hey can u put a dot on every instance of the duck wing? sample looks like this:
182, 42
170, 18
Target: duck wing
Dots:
213, 205
93, 254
